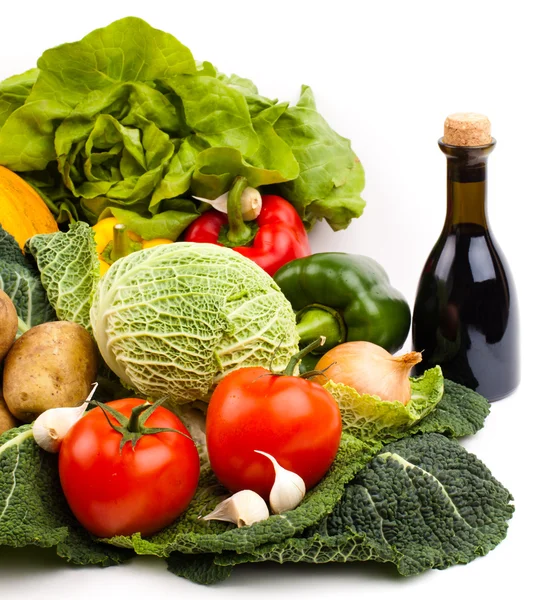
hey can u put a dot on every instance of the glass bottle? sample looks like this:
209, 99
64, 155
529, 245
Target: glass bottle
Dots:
465, 315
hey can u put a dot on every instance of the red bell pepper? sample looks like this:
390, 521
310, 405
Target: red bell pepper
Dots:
273, 239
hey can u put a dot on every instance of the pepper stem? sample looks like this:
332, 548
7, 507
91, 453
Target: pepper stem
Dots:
120, 247
316, 320
239, 233
300, 355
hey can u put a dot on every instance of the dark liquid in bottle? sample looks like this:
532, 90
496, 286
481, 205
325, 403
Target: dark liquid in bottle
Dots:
465, 316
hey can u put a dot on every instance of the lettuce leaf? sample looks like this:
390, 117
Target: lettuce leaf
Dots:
14, 91
331, 176
126, 119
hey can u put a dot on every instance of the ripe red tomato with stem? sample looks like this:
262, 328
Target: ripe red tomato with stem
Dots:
128, 466
295, 420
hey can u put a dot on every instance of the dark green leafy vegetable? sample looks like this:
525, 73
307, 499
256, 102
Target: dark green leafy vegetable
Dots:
125, 118
461, 412
20, 280
189, 534
421, 502
199, 568
407, 507
32, 507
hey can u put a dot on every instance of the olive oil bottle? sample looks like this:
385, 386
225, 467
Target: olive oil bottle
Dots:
466, 315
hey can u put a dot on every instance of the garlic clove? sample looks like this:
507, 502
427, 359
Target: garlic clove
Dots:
288, 490
220, 203
243, 508
51, 427
251, 202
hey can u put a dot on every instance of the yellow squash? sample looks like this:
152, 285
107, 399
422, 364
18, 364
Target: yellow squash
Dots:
22, 211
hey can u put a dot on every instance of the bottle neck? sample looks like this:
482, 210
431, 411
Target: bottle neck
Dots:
466, 184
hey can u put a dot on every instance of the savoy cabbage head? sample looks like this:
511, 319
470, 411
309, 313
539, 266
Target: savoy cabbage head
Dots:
172, 320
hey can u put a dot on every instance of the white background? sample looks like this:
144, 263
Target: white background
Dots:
385, 74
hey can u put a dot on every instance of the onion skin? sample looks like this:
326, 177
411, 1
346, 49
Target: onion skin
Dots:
369, 369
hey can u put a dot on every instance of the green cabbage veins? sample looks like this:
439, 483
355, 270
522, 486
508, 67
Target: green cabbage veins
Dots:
172, 320
20, 280
370, 418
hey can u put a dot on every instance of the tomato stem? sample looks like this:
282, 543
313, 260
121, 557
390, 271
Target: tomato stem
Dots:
135, 423
133, 429
300, 355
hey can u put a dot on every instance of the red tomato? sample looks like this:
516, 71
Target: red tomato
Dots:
135, 490
295, 420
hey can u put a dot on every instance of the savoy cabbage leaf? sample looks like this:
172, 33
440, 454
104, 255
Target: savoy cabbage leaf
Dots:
20, 280
69, 270
407, 507
421, 502
461, 412
198, 568
189, 534
368, 417
32, 506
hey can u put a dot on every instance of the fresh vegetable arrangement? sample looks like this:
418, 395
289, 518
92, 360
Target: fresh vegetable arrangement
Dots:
251, 407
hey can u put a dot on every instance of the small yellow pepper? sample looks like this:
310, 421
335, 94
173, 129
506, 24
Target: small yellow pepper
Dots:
103, 233
104, 236
155, 242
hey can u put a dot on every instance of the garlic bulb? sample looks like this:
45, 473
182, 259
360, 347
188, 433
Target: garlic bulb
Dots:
288, 490
243, 508
251, 203
369, 369
51, 427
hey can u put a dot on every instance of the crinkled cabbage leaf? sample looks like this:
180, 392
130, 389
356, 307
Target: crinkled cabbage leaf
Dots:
33, 510
20, 280
408, 507
423, 502
368, 417
69, 270
172, 320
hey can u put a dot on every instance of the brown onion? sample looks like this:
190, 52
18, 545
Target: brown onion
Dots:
369, 369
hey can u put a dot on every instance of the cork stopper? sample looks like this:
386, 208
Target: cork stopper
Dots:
467, 129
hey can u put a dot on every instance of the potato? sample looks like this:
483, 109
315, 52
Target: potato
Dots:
50, 366
8, 324
7, 420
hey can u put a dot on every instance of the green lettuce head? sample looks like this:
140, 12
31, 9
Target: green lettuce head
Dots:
172, 320
126, 122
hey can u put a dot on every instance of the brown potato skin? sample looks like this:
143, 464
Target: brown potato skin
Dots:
7, 420
8, 324
50, 366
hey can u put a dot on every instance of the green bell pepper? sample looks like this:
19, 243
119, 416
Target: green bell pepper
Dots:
344, 298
